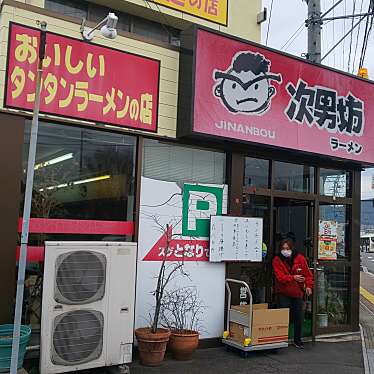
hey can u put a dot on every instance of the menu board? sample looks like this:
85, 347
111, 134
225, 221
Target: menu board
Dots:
235, 239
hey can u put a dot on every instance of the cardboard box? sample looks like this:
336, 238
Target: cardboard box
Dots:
268, 325
245, 308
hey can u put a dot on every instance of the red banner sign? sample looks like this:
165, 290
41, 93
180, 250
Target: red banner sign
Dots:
178, 249
245, 92
82, 80
78, 226
70, 226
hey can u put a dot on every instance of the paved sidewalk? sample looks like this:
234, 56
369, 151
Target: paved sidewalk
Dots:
367, 318
321, 358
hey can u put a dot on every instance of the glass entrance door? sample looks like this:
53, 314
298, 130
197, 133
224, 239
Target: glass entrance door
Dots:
333, 270
295, 219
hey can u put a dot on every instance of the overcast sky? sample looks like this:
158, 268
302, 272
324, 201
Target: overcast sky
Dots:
288, 17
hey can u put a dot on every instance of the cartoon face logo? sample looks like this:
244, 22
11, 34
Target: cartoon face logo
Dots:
246, 86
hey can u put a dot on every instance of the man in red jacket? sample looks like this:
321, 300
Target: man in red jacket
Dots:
293, 279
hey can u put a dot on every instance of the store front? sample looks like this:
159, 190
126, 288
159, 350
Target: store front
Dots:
293, 199
297, 139
120, 176
100, 202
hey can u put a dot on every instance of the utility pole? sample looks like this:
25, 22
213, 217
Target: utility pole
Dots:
314, 23
27, 204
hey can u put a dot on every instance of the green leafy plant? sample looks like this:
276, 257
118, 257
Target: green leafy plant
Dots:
335, 307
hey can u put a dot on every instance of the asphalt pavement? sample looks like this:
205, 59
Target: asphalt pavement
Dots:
321, 358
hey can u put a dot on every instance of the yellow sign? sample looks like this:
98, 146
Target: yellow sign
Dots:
211, 10
363, 73
327, 248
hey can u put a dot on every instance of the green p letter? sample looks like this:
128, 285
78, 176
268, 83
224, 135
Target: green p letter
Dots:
199, 203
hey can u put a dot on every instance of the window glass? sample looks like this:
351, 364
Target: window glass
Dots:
126, 22
256, 173
256, 275
84, 189
367, 215
294, 219
82, 173
337, 217
150, 29
71, 8
259, 206
335, 183
174, 163
333, 296
293, 177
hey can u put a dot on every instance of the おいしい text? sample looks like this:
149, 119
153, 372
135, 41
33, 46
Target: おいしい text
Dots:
82, 81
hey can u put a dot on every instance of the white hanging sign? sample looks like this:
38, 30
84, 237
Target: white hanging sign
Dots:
235, 239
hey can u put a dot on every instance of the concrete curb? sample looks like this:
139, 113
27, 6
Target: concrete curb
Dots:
366, 271
364, 351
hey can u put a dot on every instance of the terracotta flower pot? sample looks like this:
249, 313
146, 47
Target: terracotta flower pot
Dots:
183, 344
152, 346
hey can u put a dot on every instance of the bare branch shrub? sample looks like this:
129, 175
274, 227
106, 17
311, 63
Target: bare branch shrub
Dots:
181, 310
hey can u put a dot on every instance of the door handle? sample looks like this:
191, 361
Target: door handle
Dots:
57, 307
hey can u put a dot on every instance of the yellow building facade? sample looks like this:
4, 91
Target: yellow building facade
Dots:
241, 22
145, 28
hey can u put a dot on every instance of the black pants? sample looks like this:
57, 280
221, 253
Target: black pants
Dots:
297, 313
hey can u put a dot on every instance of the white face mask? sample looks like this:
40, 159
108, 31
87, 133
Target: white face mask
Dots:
286, 252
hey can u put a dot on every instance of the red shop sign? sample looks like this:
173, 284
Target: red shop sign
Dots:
242, 91
82, 80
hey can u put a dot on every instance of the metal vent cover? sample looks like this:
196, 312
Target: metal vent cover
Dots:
77, 337
80, 277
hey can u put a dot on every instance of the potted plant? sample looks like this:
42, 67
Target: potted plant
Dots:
152, 340
180, 313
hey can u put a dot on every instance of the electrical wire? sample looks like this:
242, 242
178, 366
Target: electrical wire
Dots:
368, 28
364, 41
351, 41
357, 39
333, 31
163, 16
344, 30
292, 37
271, 12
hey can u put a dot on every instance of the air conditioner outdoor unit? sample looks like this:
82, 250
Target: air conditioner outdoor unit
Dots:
87, 306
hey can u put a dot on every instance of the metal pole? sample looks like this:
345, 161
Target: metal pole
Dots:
27, 205
314, 23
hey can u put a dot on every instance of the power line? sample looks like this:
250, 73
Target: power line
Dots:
350, 44
366, 42
332, 8
163, 16
368, 28
271, 12
344, 30
333, 29
342, 39
293, 37
357, 39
